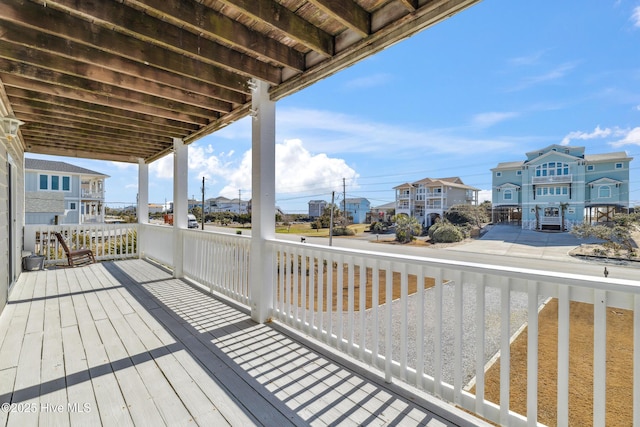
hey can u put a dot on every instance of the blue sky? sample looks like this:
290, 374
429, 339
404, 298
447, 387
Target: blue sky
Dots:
486, 86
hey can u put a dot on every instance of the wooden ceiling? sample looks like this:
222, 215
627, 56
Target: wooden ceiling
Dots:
119, 79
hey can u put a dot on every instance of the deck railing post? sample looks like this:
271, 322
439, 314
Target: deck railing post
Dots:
263, 202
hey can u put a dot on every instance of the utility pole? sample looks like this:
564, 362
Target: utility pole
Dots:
239, 201
333, 194
203, 203
344, 202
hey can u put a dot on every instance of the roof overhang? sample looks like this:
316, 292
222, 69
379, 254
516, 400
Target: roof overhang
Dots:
119, 80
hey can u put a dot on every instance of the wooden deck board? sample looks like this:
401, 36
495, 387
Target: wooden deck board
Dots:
124, 343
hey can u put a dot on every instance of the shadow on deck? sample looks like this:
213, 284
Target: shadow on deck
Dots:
124, 343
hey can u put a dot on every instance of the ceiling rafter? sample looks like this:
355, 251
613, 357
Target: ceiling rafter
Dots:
348, 13
277, 16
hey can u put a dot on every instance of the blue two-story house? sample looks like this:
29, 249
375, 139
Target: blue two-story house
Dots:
559, 186
357, 208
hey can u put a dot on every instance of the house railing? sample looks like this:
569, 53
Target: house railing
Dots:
107, 241
470, 313
219, 261
555, 179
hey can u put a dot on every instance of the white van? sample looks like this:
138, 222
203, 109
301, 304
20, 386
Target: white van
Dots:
191, 221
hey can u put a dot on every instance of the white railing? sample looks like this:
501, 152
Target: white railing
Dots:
156, 242
555, 179
107, 241
218, 261
440, 337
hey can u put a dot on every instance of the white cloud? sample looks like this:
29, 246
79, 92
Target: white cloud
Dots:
631, 137
485, 120
635, 16
297, 171
530, 59
597, 133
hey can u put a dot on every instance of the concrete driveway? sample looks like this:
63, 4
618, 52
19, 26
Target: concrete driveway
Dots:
511, 240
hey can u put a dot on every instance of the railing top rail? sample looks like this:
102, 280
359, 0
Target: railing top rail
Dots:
567, 279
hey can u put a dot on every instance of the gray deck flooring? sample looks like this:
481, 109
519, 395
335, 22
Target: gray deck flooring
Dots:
123, 343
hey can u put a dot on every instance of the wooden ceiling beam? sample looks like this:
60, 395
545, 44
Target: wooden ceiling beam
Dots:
46, 148
124, 26
348, 13
183, 72
63, 144
411, 5
97, 133
187, 114
212, 24
116, 85
51, 105
277, 16
53, 117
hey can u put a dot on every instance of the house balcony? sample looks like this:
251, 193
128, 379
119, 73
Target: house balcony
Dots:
86, 194
556, 179
129, 340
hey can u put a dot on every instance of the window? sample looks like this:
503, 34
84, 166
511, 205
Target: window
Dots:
498, 174
552, 169
507, 195
72, 206
590, 168
618, 165
518, 172
604, 191
54, 182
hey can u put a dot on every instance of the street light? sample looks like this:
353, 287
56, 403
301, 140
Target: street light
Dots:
10, 127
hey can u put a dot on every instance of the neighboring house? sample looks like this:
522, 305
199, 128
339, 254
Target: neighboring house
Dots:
357, 209
559, 186
155, 208
61, 193
382, 213
316, 208
429, 198
222, 204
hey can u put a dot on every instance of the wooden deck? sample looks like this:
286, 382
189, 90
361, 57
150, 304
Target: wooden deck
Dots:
123, 343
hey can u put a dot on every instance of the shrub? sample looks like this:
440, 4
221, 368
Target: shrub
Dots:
445, 233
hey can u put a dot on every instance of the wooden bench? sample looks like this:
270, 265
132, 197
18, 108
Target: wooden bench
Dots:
77, 257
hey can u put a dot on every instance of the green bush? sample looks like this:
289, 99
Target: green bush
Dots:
445, 233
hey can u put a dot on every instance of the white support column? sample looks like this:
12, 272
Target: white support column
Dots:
263, 207
143, 192
143, 203
180, 200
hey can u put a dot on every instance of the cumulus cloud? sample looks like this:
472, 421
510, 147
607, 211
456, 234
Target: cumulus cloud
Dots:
631, 137
597, 133
297, 171
485, 120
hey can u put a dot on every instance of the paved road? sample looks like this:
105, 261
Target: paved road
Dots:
502, 245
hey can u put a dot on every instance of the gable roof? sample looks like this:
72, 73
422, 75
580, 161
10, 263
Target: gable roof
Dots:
53, 166
604, 157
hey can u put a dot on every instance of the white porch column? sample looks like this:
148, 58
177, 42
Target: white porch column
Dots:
263, 207
143, 192
180, 189
143, 203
